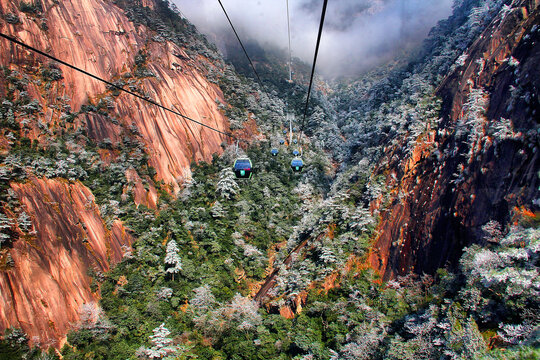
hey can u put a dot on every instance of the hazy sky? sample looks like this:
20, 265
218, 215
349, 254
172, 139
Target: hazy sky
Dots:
357, 33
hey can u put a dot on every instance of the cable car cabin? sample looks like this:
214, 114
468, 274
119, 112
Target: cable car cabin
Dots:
243, 168
295, 141
274, 152
284, 131
296, 152
297, 165
281, 142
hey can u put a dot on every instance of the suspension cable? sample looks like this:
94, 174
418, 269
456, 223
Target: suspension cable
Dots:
314, 62
241, 44
144, 98
289, 33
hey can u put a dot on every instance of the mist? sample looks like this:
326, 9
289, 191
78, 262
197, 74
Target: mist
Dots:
357, 35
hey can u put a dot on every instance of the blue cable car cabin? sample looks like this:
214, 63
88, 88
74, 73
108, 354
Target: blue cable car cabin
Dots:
274, 152
297, 164
296, 152
243, 168
281, 142
295, 141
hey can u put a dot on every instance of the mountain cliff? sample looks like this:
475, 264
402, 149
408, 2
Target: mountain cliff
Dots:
99, 38
48, 284
481, 163
44, 277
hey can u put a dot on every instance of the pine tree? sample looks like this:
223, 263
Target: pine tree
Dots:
203, 300
5, 173
161, 348
24, 222
172, 258
5, 224
218, 211
227, 186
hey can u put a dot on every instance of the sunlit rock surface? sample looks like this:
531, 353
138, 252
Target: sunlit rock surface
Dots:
97, 37
44, 290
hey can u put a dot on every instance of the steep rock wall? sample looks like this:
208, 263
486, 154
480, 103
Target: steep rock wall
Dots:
96, 36
476, 167
142, 196
48, 281
43, 292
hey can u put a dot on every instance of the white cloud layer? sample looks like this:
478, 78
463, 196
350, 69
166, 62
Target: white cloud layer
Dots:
357, 33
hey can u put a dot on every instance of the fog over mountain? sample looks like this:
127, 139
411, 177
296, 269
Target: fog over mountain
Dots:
358, 34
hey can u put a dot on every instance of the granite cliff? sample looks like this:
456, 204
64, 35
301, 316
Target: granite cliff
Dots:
45, 279
481, 164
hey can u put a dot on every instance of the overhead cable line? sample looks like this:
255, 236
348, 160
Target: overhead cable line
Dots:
241, 44
314, 62
289, 33
289, 114
12, 39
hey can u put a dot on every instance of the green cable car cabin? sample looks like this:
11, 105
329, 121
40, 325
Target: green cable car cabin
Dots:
243, 168
297, 164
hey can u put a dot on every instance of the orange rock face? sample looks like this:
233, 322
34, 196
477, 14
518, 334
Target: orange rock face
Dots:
142, 196
45, 289
96, 36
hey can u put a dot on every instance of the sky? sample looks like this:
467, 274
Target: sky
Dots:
357, 35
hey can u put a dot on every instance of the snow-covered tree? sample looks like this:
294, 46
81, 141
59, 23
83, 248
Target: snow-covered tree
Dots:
218, 211
244, 312
5, 224
516, 334
172, 258
24, 222
162, 345
473, 120
364, 341
94, 321
503, 129
164, 293
493, 231
5, 173
227, 186
203, 300
361, 219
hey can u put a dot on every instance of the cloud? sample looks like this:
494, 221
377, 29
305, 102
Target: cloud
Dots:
358, 34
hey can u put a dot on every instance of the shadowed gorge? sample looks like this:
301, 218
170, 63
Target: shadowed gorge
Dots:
472, 183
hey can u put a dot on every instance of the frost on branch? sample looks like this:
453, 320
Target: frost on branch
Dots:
172, 258
227, 186
162, 345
